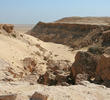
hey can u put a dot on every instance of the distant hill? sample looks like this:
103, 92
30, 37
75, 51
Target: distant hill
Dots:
86, 20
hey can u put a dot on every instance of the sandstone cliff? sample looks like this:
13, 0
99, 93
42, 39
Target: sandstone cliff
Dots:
74, 35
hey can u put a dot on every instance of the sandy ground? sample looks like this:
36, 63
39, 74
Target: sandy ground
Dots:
77, 92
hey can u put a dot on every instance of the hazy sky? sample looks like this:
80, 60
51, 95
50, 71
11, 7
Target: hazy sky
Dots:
32, 11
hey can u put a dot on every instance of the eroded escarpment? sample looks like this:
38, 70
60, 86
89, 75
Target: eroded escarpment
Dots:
74, 35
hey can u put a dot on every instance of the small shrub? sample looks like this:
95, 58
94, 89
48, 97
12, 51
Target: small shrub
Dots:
14, 35
96, 50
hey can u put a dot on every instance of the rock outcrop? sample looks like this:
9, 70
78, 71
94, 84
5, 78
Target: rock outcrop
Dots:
91, 67
85, 64
103, 68
8, 28
74, 35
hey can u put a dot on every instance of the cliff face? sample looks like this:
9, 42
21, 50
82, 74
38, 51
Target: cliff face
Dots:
74, 35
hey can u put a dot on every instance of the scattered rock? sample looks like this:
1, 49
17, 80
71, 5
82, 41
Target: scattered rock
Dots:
58, 73
29, 64
8, 97
39, 96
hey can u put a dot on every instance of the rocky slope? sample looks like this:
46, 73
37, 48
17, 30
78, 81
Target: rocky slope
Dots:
22, 54
31, 69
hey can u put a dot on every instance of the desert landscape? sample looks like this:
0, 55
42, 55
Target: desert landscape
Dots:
68, 59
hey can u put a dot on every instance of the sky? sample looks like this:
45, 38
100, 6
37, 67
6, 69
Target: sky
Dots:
33, 11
